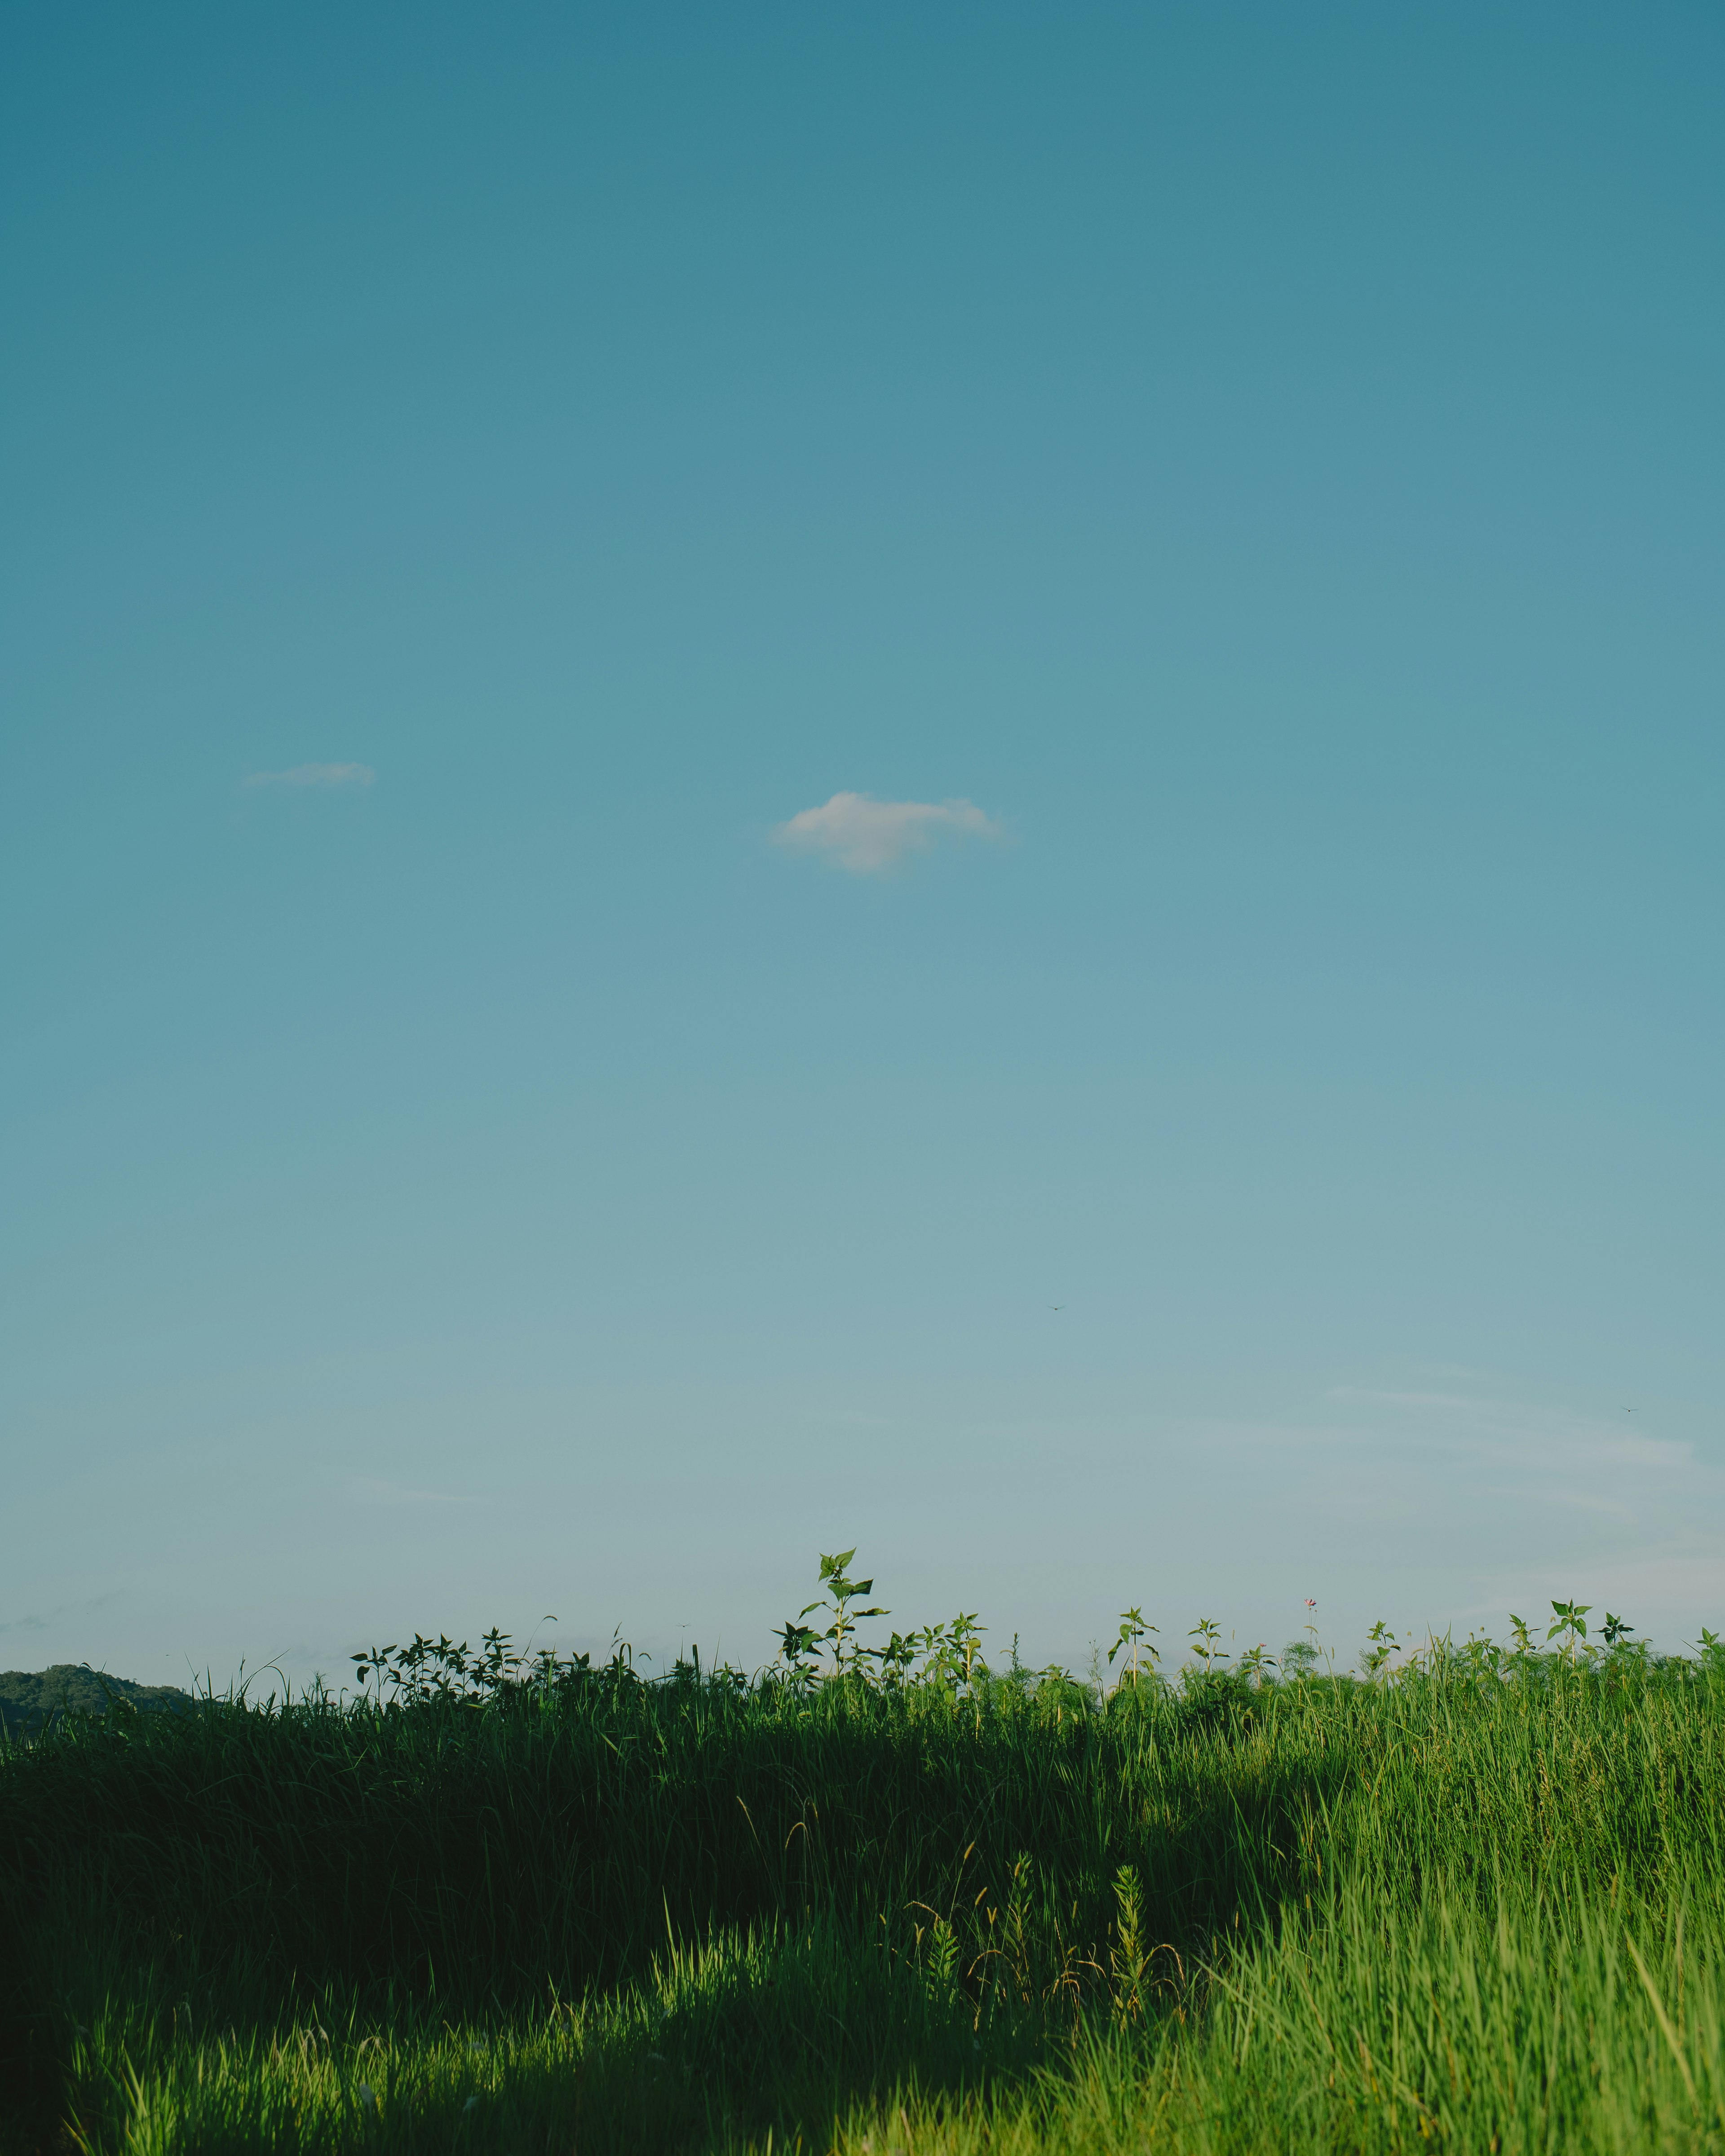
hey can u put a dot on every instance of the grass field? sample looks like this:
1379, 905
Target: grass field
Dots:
896, 1903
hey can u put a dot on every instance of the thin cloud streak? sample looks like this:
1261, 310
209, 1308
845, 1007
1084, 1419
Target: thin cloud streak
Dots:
1542, 1436
304, 775
866, 836
1473, 1505
372, 1490
44, 1620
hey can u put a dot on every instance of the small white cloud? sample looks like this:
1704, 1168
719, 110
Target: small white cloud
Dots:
370, 1490
312, 774
866, 835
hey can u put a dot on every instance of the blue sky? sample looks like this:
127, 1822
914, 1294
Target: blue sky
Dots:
1263, 464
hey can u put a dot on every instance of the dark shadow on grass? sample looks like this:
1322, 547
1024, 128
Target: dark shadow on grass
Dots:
445, 1867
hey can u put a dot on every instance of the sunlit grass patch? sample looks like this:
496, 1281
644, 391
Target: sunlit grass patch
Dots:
882, 1899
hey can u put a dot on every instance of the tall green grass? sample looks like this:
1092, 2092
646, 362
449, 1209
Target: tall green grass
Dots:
1476, 1905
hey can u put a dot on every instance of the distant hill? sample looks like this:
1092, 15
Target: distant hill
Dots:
28, 1699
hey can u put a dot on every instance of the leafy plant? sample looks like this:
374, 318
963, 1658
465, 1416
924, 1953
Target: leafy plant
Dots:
952, 1653
799, 1650
1257, 1664
800, 1643
1128, 1963
1569, 1624
1206, 1637
1134, 1633
445, 1671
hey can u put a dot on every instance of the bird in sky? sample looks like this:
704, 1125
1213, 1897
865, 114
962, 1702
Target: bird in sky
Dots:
1057, 1306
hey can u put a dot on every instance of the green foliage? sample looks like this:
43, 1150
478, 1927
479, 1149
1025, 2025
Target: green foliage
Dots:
1568, 1624
1205, 1636
881, 1900
1299, 1659
1379, 1650
1134, 1633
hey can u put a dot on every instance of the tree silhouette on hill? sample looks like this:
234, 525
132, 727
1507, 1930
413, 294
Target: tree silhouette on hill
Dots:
29, 1700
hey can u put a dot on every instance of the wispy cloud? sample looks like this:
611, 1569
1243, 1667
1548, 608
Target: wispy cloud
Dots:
1677, 1583
1560, 1439
372, 1490
1448, 1506
303, 775
44, 1620
865, 836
